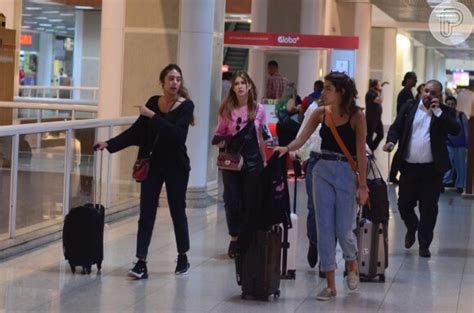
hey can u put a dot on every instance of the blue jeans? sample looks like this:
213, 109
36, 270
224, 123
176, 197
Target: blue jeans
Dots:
334, 192
457, 156
311, 219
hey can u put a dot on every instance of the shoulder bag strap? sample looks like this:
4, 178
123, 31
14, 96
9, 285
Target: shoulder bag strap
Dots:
339, 141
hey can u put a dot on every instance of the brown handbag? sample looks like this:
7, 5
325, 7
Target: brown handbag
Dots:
230, 161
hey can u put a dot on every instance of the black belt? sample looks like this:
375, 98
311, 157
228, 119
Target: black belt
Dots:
334, 157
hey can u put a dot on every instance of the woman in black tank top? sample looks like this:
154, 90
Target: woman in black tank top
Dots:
335, 185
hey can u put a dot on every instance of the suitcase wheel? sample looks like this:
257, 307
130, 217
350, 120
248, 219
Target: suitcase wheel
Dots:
86, 270
276, 295
382, 278
73, 268
99, 267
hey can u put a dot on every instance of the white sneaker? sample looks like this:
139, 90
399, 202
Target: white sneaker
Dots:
326, 294
352, 280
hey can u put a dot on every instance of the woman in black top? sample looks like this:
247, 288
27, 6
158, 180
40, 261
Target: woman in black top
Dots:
164, 119
335, 185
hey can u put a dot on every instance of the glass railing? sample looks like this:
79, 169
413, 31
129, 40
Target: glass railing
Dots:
48, 168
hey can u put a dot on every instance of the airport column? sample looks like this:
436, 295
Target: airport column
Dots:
86, 53
362, 25
311, 20
257, 68
389, 67
201, 31
430, 64
12, 11
420, 63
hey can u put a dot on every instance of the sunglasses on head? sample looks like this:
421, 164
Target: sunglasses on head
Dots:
239, 121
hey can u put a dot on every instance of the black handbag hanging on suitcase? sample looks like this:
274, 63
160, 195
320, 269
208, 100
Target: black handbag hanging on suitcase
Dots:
83, 232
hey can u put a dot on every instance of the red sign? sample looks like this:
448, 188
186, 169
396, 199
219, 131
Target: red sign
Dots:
291, 40
26, 40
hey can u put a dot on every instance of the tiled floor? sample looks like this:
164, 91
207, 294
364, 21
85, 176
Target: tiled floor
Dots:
40, 281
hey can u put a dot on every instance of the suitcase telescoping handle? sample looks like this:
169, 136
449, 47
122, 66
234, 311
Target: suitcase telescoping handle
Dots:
97, 176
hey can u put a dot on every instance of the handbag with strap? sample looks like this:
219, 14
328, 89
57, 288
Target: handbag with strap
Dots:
342, 146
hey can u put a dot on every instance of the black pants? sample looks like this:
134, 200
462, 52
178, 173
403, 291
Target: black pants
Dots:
376, 127
241, 200
176, 181
419, 183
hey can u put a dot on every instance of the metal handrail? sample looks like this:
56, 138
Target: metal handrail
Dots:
16, 130
49, 106
57, 89
55, 100
12, 130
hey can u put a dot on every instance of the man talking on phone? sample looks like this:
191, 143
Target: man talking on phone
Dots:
421, 128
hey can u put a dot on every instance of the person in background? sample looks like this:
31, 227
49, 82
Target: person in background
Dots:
421, 128
405, 95
287, 111
162, 128
276, 83
457, 146
373, 114
337, 187
409, 81
315, 95
239, 129
226, 84
310, 153
419, 91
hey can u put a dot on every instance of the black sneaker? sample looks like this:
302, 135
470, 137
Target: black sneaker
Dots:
183, 265
139, 271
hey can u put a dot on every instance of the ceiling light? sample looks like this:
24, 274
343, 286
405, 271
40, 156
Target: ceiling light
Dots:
39, 28
26, 14
46, 25
25, 27
60, 27
82, 7
56, 20
51, 12
41, 18
67, 14
30, 22
70, 28
33, 8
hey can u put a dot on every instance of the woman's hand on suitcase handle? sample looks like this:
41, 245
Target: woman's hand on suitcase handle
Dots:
281, 150
101, 145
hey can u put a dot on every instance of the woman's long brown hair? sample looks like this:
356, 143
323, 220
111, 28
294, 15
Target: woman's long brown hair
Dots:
231, 102
347, 88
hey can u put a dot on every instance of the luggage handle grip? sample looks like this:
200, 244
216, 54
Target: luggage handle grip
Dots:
97, 199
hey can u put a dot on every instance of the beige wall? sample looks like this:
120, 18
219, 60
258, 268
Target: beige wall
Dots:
150, 43
376, 52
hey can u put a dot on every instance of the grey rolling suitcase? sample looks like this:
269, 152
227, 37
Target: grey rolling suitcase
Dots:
373, 250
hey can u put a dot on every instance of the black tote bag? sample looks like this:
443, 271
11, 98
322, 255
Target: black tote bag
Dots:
378, 195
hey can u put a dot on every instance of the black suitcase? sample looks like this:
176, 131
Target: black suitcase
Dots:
372, 242
83, 233
258, 269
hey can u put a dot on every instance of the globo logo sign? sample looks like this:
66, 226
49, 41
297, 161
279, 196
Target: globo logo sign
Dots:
288, 39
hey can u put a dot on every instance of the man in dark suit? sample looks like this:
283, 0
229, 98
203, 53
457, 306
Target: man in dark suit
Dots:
422, 129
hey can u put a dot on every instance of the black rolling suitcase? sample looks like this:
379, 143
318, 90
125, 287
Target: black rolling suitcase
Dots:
258, 269
83, 232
